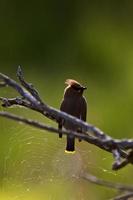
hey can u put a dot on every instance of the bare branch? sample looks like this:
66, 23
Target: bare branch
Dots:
39, 125
47, 110
36, 124
122, 150
8, 81
28, 86
29, 98
125, 196
117, 186
13, 101
18, 101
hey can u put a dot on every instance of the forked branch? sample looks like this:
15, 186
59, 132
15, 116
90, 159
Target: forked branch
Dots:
122, 150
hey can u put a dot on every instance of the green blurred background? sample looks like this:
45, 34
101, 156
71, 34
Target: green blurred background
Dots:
90, 41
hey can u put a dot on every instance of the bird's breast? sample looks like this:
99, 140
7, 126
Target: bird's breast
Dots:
71, 106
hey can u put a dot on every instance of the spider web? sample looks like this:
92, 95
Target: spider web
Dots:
36, 158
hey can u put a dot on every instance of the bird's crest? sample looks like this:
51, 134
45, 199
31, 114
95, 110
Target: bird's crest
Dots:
71, 82
74, 84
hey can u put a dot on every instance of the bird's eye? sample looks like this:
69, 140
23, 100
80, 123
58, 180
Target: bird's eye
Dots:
76, 87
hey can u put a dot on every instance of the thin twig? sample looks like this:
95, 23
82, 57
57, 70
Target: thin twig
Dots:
117, 186
39, 125
36, 124
124, 196
28, 86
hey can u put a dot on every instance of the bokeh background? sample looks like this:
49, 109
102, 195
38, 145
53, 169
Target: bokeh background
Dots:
90, 41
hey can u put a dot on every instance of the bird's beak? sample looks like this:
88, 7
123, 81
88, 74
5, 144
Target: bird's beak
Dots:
84, 88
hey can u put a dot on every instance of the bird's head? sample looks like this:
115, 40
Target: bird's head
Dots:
76, 86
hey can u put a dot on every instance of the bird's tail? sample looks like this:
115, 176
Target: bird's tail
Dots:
70, 144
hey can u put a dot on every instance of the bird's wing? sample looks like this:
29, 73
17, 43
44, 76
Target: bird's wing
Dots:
60, 124
83, 109
62, 107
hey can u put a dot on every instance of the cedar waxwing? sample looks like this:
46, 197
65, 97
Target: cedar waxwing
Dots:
74, 104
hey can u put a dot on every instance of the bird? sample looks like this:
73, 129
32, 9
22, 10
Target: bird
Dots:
73, 103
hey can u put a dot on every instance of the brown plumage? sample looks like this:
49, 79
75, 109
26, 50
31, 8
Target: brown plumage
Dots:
74, 104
